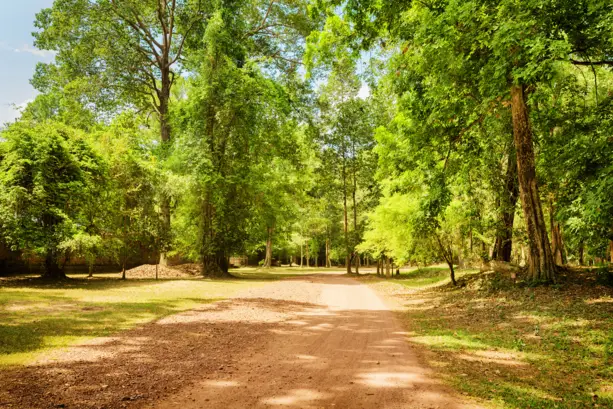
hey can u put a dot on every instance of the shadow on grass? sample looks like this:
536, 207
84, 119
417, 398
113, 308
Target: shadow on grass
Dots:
522, 348
148, 363
36, 315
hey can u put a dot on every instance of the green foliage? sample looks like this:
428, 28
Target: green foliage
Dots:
48, 173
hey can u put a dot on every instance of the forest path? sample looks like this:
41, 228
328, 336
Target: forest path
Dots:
327, 341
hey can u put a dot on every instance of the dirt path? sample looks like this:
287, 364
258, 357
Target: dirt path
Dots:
321, 341
337, 345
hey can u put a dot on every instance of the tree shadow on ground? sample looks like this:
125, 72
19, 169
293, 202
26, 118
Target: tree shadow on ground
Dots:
209, 346
524, 347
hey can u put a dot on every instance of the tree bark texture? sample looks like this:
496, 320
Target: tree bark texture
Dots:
268, 258
503, 246
540, 266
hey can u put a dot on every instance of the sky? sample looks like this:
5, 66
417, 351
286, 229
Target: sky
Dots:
18, 56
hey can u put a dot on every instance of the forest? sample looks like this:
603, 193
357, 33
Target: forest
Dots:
319, 133
424, 140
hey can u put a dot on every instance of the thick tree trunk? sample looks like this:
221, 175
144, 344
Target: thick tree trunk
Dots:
504, 238
387, 267
53, 270
216, 265
541, 265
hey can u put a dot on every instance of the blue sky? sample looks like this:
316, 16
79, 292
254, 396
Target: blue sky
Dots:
18, 56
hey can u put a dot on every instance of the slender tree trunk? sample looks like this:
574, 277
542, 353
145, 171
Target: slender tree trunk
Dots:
308, 261
346, 221
452, 273
328, 263
581, 247
164, 99
503, 247
268, 259
156, 271
123, 270
557, 246
541, 265
355, 212
90, 267
378, 266
301, 255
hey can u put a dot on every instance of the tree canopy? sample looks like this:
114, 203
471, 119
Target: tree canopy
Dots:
317, 133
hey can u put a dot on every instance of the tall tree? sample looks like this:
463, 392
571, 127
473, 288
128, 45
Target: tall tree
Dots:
513, 47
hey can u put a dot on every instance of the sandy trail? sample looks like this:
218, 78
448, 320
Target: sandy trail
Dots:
321, 341
332, 344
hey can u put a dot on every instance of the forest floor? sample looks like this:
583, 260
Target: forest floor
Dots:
307, 342
512, 346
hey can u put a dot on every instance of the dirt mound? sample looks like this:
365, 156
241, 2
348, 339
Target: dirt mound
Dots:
179, 271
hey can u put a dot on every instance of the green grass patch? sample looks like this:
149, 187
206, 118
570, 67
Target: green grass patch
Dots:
37, 316
275, 273
544, 347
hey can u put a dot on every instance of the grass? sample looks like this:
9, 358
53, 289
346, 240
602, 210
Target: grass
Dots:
37, 316
544, 347
275, 273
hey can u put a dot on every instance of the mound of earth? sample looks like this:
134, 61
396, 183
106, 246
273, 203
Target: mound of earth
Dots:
178, 271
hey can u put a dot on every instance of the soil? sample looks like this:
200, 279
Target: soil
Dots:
147, 271
309, 342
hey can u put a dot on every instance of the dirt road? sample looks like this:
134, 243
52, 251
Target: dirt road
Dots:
321, 341
334, 344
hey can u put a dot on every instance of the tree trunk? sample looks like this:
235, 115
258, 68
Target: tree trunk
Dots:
156, 271
53, 270
301, 255
541, 265
387, 267
90, 270
216, 265
308, 262
581, 247
164, 98
557, 246
504, 238
346, 221
452, 273
268, 258
355, 215
123, 270
378, 266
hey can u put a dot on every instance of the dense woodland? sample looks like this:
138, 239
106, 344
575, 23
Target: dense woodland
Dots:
316, 133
